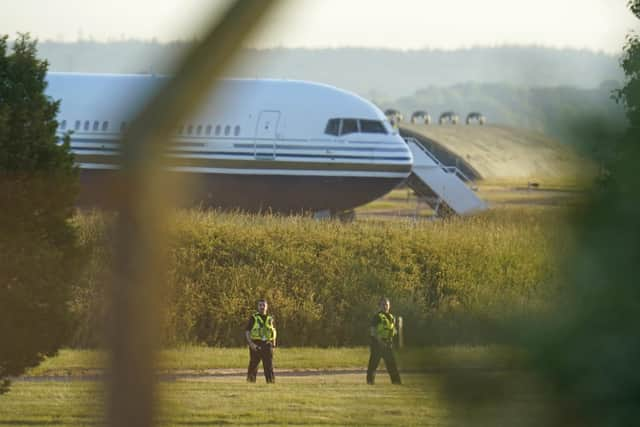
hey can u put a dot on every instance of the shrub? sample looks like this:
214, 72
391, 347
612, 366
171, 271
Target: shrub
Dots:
450, 280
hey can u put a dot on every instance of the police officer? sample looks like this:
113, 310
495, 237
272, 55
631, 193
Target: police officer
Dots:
383, 329
261, 337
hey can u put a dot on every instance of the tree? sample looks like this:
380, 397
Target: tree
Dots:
630, 93
38, 187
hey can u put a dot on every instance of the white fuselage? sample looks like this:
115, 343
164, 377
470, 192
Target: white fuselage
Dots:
254, 144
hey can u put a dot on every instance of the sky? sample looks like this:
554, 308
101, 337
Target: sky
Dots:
599, 25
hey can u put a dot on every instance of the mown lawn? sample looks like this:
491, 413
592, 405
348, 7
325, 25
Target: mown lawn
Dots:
312, 388
301, 400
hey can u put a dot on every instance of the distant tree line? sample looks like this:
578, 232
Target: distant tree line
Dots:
566, 113
373, 73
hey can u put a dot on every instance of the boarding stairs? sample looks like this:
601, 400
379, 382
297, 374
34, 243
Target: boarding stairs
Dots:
445, 188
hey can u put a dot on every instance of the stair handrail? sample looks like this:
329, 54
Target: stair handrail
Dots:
427, 152
447, 169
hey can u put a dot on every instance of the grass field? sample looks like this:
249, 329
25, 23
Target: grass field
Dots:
398, 203
192, 393
311, 389
305, 400
326, 386
328, 400
402, 202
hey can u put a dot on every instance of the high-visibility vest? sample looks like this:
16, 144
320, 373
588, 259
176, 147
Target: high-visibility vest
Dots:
386, 328
263, 330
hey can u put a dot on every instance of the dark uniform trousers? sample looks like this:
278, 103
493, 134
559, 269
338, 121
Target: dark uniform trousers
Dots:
264, 352
385, 352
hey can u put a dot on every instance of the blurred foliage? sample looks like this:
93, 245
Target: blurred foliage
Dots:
585, 348
452, 281
630, 93
634, 5
38, 185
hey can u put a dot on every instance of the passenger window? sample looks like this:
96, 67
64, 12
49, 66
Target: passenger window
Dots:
105, 126
349, 126
227, 130
77, 126
333, 127
218, 130
208, 131
63, 125
96, 125
190, 129
86, 125
199, 130
372, 126
236, 130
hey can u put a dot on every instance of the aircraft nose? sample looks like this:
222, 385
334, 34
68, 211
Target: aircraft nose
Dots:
407, 150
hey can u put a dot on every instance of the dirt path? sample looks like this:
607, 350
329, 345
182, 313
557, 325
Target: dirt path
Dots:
180, 375
241, 373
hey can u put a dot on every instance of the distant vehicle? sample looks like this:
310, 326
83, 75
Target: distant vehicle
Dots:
281, 145
448, 117
394, 116
420, 116
477, 117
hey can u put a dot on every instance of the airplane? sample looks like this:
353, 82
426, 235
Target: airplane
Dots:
254, 145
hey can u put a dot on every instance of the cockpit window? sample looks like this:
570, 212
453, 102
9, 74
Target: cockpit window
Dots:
346, 126
349, 126
333, 127
372, 126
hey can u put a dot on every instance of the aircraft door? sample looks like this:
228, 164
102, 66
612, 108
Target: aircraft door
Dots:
265, 141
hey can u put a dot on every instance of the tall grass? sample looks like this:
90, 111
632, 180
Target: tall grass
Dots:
450, 280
